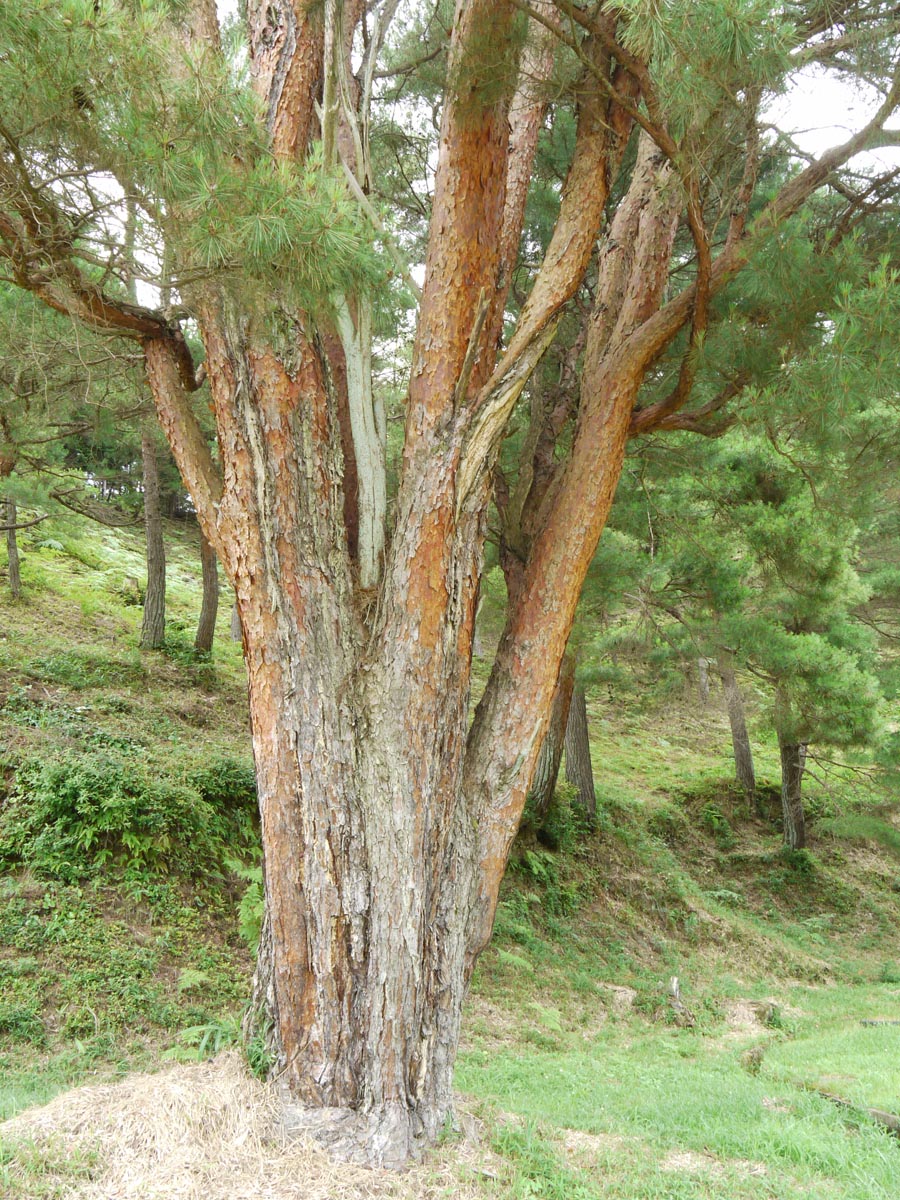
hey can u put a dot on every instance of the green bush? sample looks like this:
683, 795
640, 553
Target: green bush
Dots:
71, 817
715, 822
228, 783
564, 825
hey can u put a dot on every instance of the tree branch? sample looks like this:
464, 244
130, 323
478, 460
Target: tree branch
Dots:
23, 524
650, 340
653, 419
182, 429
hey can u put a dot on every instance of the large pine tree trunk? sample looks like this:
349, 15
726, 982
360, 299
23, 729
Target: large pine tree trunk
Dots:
153, 626
740, 739
547, 770
370, 854
579, 769
793, 763
386, 826
206, 626
12, 550
387, 822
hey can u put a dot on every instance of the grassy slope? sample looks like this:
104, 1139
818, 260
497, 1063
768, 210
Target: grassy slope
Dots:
96, 978
570, 1033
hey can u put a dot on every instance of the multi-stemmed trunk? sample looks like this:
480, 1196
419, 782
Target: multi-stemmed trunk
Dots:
386, 822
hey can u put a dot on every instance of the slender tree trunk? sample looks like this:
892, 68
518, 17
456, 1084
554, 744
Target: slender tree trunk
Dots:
206, 626
579, 769
12, 550
153, 626
547, 770
793, 762
740, 740
703, 679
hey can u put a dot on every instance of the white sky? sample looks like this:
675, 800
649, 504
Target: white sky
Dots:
822, 111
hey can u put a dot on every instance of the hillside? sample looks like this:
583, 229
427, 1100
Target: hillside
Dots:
129, 898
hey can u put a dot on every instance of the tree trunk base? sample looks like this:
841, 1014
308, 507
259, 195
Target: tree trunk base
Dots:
393, 1137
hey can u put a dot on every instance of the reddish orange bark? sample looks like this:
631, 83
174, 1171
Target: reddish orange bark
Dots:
386, 821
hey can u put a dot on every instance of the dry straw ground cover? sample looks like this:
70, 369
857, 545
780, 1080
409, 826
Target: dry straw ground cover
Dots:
206, 1131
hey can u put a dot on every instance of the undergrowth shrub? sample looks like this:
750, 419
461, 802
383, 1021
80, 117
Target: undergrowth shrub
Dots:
227, 783
76, 815
22, 1024
252, 904
714, 821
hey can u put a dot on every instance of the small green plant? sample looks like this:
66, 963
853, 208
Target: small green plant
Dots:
515, 919
79, 669
564, 824
539, 1172
44, 1170
199, 1042
252, 906
22, 1024
727, 897
799, 862
715, 822
541, 866
258, 1049
227, 783
863, 827
82, 553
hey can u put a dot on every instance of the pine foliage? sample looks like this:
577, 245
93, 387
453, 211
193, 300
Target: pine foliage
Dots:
109, 103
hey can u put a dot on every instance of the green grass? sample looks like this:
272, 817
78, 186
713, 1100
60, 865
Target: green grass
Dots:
112, 969
668, 1092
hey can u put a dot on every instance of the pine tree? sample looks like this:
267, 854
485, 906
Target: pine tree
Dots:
760, 532
386, 819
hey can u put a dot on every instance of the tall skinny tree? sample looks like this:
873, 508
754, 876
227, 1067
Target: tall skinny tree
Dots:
153, 624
